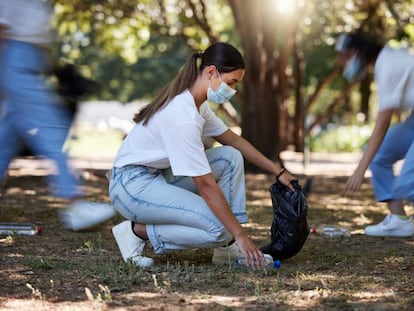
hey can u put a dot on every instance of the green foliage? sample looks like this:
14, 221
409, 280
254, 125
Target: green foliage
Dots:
319, 62
341, 139
126, 82
135, 48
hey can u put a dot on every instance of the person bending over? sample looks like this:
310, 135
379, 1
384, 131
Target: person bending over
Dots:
394, 78
175, 193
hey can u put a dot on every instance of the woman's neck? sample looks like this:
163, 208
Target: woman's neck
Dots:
199, 92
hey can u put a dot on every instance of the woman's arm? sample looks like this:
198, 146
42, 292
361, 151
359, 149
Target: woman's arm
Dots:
254, 156
215, 199
381, 126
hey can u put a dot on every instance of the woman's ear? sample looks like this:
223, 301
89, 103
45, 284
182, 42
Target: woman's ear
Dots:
210, 70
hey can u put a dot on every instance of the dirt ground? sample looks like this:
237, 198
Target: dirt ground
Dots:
65, 270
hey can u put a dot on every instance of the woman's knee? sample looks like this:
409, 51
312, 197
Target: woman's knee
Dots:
227, 153
234, 154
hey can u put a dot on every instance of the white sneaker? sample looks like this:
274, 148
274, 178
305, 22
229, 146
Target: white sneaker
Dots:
130, 245
231, 253
392, 226
82, 214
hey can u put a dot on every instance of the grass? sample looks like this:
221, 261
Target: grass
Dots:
64, 270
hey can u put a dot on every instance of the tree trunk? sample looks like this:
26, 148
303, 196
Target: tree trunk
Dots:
300, 111
267, 48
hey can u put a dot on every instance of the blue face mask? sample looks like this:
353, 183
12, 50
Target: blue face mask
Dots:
222, 94
354, 70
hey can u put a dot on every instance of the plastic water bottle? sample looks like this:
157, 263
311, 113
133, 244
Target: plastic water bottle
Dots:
331, 231
20, 228
241, 262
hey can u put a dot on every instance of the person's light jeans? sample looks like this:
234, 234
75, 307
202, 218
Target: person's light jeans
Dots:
176, 216
30, 112
398, 144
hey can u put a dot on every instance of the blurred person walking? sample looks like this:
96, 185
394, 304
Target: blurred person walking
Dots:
31, 111
394, 78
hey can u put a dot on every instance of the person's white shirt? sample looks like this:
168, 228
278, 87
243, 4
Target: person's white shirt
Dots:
26, 20
173, 137
394, 78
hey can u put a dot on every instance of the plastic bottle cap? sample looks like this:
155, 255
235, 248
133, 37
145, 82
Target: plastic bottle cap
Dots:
276, 264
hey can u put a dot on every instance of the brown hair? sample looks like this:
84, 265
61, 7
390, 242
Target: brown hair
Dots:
223, 55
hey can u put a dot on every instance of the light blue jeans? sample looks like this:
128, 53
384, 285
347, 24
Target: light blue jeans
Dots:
176, 216
398, 144
31, 113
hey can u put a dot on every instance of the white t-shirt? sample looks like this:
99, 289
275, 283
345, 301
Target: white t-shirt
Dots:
394, 77
27, 21
173, 138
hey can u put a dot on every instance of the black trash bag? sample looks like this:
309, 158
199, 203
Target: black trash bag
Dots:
290, 228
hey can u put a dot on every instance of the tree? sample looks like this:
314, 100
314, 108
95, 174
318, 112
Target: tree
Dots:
287, 44
267, 51
265, 92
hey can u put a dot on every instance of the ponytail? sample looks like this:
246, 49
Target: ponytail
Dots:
224, 56
184, 79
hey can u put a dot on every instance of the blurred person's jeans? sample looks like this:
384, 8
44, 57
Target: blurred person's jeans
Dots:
32, 113
398, 144
177, 217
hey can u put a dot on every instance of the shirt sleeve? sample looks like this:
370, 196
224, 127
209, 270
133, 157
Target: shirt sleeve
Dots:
390, 79
185, 150
213, 125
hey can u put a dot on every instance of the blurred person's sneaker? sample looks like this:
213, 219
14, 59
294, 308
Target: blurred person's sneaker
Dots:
130, 245
392, 226
231, 253
83, 214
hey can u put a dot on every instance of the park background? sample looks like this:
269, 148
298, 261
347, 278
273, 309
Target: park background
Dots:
293, 105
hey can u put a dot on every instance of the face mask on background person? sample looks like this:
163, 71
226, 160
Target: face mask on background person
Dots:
355, 69
222, 94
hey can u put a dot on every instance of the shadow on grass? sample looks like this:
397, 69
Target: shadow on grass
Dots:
57, 269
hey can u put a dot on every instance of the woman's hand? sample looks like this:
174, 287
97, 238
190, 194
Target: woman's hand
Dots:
253, 256
285, 179
354, 183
